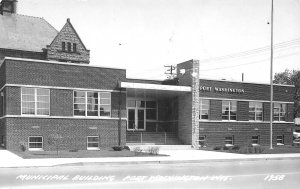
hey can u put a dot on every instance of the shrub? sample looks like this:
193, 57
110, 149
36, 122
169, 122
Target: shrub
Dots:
22, 147
117, 148
235, 148
126, 148
251, 149
217, 148
137, 151
153, 150
73, 150
225, 148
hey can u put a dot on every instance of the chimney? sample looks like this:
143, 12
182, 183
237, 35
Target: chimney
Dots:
8, 7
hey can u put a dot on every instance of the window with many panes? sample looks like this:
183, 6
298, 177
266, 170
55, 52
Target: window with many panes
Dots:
91, 103
280, 140
204, 109
93, 142
279, 113
35, 143
255, 140
229, 109
151, 110
229, 140
35, 101
255, 111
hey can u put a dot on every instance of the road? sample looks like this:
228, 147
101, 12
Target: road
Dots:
243, 174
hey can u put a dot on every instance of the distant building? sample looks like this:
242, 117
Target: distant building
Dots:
51, 96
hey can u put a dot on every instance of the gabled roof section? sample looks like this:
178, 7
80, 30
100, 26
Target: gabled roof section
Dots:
25, 33
68, 47
68, 24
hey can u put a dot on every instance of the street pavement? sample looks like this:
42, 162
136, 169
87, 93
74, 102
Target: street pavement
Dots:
266, 174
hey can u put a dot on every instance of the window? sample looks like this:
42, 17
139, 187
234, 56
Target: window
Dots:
255, 111
279, 113
229, 141
74, 47
280, 140
229, 110
255, 140
35, 143
35, 101
151, 110
93, 142
63, 46
92, 103
69, 47
204, 109
105, 103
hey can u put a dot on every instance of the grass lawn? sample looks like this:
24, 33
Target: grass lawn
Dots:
265, 150
81, 154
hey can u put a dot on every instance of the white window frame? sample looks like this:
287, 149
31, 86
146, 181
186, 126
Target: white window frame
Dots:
231, 141
92, 148
282, 140
35, 149
35, 102
86, 104
229, 110
253, 140
201, 109
256, 111
280, 112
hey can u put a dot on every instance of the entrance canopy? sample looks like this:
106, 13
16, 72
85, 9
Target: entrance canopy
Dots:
141, 89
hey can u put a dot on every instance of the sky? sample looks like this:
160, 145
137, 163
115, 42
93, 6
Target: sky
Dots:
229, 38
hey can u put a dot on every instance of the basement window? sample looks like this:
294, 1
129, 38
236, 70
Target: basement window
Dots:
93, 142
35, 143
229, 141
280, 140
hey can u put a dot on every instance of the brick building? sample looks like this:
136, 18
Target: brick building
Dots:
51, 96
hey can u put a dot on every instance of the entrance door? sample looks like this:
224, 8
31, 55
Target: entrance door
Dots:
136, 119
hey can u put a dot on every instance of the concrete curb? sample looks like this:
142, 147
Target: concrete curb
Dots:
108, 163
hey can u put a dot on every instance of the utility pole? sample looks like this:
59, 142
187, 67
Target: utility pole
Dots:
271, 80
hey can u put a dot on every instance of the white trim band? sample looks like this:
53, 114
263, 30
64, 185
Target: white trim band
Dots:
155, 87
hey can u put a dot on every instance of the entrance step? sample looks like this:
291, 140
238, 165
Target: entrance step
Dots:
144, 147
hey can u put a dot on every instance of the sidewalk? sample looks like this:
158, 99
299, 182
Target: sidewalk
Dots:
8, 159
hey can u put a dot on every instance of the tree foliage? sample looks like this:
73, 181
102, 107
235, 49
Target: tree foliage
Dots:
291, 77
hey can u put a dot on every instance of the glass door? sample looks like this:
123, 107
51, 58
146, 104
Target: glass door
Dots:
136, 119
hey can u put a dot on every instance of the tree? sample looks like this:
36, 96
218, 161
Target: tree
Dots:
291, 77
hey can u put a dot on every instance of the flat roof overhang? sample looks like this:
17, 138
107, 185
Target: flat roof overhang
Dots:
148, 90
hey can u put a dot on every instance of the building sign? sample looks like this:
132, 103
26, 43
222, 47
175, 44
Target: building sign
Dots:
221, 90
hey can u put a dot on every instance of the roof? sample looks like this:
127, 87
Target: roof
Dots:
26, 33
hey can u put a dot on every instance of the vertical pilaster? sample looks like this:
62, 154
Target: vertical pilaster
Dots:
188, 128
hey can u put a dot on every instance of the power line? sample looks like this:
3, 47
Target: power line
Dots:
279, 46
254, 62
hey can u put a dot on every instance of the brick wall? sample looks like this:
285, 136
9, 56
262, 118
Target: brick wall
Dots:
215, 109
243, 111
61, 102
73, 132
12, 100
252, 91
60, 75
68, 34
216, 132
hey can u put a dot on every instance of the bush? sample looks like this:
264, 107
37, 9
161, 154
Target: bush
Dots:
137, 150
226, 148
126, 148
117, 148
22, 147
251, 149
235, 148
217, 148
73, 150
153, 150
